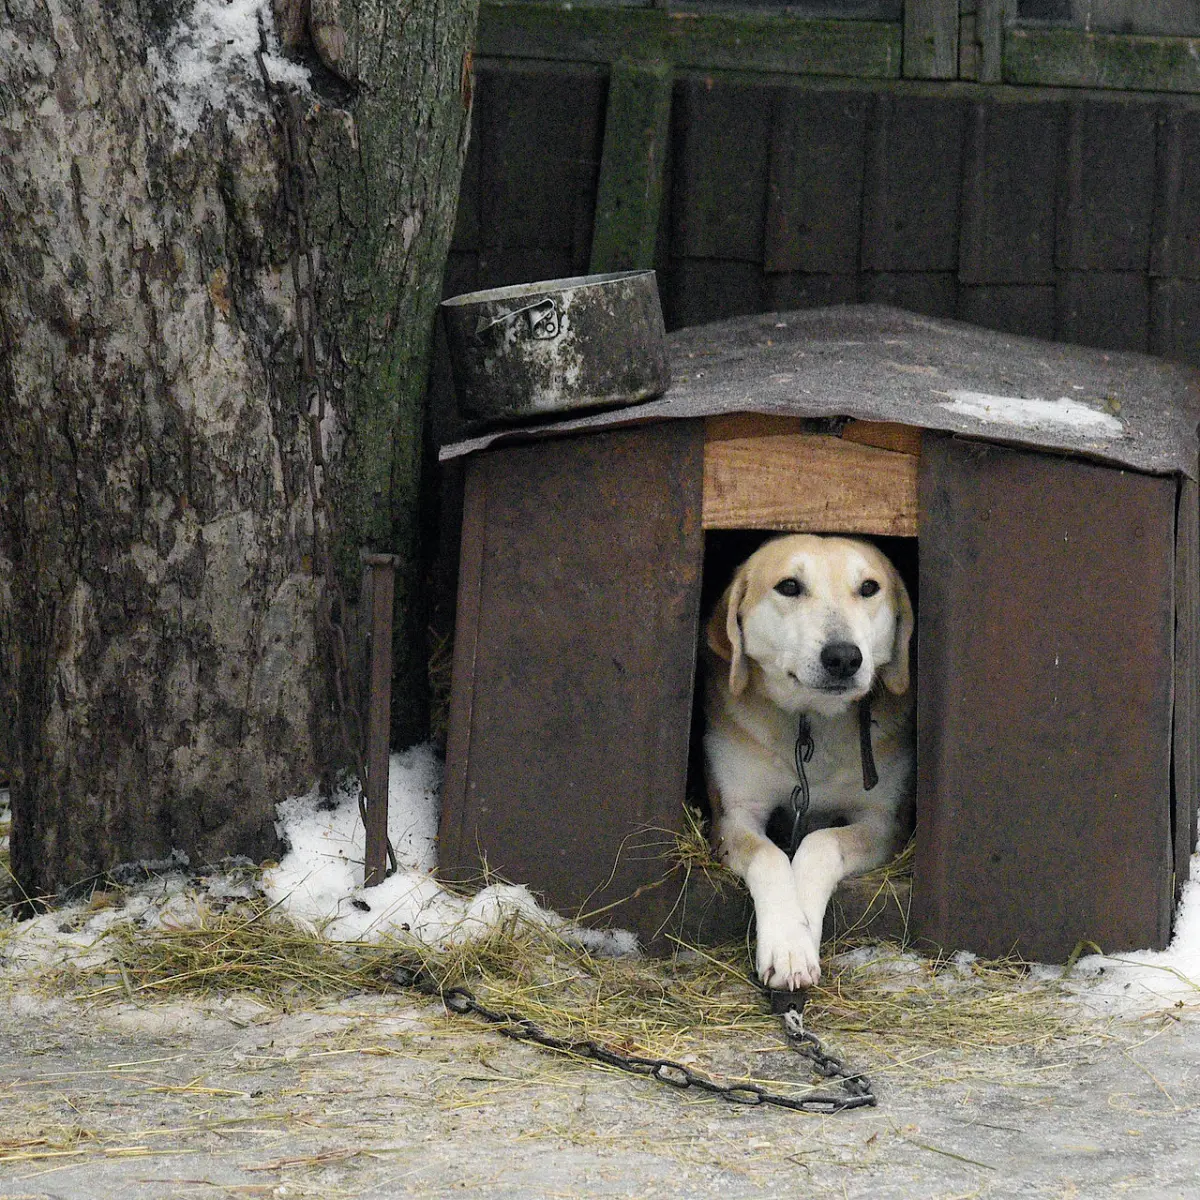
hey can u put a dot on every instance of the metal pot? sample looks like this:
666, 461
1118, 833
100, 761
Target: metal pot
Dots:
557, 346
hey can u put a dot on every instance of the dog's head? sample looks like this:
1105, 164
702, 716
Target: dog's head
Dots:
820, 618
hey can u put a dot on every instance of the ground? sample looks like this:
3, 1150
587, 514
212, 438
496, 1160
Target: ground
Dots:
379, 1096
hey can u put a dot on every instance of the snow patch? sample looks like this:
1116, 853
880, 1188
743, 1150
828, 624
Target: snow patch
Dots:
207, 63
319, 882
1064, 413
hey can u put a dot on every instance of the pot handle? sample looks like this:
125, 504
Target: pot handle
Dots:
545, 320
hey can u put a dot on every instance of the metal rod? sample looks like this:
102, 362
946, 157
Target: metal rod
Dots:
381, 569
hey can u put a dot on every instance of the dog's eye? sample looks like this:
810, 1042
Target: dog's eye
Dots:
790, 587
869, 587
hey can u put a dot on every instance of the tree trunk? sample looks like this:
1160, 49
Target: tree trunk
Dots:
217, 282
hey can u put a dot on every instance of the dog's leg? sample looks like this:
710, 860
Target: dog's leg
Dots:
825, 858
785, 954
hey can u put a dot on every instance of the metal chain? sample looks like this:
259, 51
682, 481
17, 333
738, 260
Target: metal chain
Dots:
856, 1088
313, 401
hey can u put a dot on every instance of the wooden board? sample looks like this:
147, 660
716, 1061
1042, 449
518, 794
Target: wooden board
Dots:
571, 705
930, 39
1073, 58
636, 143
1044, 703
760, 474
748, 41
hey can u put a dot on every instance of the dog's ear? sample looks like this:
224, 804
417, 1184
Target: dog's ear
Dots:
895, 672
725, 633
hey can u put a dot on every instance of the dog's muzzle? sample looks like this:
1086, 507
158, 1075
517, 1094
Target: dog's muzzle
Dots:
841, 660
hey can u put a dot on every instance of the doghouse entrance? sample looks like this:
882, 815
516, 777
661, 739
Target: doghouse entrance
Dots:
765, 476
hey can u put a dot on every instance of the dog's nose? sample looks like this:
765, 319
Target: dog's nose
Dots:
841, 659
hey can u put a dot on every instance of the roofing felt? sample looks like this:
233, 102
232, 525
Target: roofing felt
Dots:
874, 363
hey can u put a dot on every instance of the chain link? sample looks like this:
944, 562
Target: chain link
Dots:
856, 1088
313, 402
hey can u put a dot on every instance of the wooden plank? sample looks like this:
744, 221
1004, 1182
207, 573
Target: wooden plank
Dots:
1176, 246
1043, 774
699, 290
808, 483
913, 183
1009, 192
934, 293
797, 289
887, 435
1014, 308
762, 41
1175, 319
990, 18
580, 716
540, 128
815, 181
931, 39
1108, 186
1075, 58
1109, 309
636, 143
720, 170
1187, 670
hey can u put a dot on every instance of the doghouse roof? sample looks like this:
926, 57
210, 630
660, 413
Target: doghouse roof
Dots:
874, 363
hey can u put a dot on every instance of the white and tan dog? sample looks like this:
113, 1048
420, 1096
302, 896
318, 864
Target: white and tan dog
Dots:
805, 630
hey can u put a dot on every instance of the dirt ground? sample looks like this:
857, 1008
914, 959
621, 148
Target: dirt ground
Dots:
384, 1096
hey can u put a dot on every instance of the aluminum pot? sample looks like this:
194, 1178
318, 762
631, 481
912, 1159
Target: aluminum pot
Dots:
556, 346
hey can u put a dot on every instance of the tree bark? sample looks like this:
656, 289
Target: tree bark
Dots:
164, 491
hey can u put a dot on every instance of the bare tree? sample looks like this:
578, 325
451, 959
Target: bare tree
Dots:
222, 248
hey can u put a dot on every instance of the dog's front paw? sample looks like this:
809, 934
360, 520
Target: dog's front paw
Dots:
787, 955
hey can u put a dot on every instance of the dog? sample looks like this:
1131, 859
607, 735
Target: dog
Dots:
809, 629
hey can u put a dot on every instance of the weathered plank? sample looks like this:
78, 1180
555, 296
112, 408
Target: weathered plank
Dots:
1175, 319
539, 155
1176, 245
913, 183
1074, 58
1014, 308
805, 483
1043, 792
1110, 309
760, 41
1186, 759
815, 181
1108, 186
721, 132
698, 290
553, 674
934, 293
636, 144
1009, 191
931, 39
796, 289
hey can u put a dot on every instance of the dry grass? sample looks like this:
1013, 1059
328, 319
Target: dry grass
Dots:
887, 1009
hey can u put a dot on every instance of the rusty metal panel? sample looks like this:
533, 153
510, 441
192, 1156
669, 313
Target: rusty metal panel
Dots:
1186, 764
1045, 695
572, 693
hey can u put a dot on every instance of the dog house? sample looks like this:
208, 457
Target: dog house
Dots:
1048, 498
